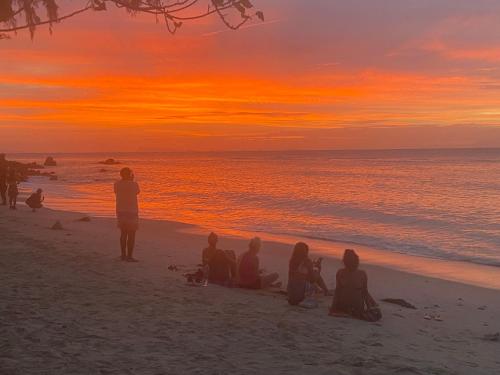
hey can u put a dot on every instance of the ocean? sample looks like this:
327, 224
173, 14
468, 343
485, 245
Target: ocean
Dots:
432, 203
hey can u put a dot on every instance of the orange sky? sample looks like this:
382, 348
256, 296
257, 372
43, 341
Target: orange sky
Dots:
322, 74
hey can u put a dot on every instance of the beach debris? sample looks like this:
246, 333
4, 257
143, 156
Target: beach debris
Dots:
85, 219
50, 162
196, 277
173, 268
57, 226
109, 161
495, 337
482, 307
437, 318
400, 302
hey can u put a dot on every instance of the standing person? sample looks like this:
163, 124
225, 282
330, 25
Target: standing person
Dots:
3, 179
13, 191
127, 212
35, 200
250, 275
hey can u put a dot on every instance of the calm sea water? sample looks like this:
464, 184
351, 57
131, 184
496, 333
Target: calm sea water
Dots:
433, 203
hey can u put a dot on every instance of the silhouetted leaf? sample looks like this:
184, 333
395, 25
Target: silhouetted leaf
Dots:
260, 15
240, 8
218, 3
246, 3
5, 10
98, 5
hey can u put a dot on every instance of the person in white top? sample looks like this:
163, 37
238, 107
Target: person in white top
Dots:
127, 212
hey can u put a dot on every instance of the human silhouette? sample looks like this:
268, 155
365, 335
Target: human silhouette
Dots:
250, 275
12, 189
304, 275
3, 179
219, 266
35, 200
351, 297
127, 212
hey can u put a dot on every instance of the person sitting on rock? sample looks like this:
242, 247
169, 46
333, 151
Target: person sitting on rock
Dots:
219, 266
249, 273
35, 200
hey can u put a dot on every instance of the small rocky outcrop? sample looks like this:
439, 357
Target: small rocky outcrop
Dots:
57, 226
84, 219
109, 161
50, 162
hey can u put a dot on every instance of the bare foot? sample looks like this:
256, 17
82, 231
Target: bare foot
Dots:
132, 260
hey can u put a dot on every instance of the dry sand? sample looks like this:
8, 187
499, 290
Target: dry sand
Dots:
69, 306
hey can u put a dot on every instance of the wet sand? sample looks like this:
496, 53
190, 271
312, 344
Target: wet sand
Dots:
69, 306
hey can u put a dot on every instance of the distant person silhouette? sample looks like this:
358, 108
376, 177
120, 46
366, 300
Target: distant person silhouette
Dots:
304, 275
219, 266
3, 179
250, 275
127, 212
351, 296
12, 190
35, 200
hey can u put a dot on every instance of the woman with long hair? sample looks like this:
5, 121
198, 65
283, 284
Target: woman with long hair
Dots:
303, 275
351, 297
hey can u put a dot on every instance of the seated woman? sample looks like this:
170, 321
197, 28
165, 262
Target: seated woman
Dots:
250, 275
303, 275
219, 266
35, 200
351, 297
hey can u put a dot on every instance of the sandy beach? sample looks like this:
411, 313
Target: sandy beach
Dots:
69, 306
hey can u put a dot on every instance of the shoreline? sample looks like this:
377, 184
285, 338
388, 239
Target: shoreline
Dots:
70, 306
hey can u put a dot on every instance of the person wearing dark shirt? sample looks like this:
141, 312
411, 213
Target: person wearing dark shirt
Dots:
3, 179
304, 275
249, 273
35, 200
351, 297
127, 212
12, 190
219, 266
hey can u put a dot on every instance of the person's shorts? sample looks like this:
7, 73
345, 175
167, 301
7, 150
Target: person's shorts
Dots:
128, 220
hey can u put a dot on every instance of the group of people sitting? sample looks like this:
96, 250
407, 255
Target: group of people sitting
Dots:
350, 297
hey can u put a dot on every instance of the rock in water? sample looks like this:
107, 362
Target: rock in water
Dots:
57, 226
50, 162
109, 161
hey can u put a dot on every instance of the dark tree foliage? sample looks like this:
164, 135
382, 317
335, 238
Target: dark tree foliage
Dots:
28, 14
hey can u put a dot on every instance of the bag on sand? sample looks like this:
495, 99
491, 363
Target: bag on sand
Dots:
372, 314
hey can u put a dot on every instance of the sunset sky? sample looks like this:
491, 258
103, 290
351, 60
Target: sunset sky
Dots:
318, 74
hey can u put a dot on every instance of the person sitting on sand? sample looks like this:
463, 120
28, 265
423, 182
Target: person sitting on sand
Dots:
304, 275
250, 276
219, 266
351, 297
12, 190
127, 212
35, 200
